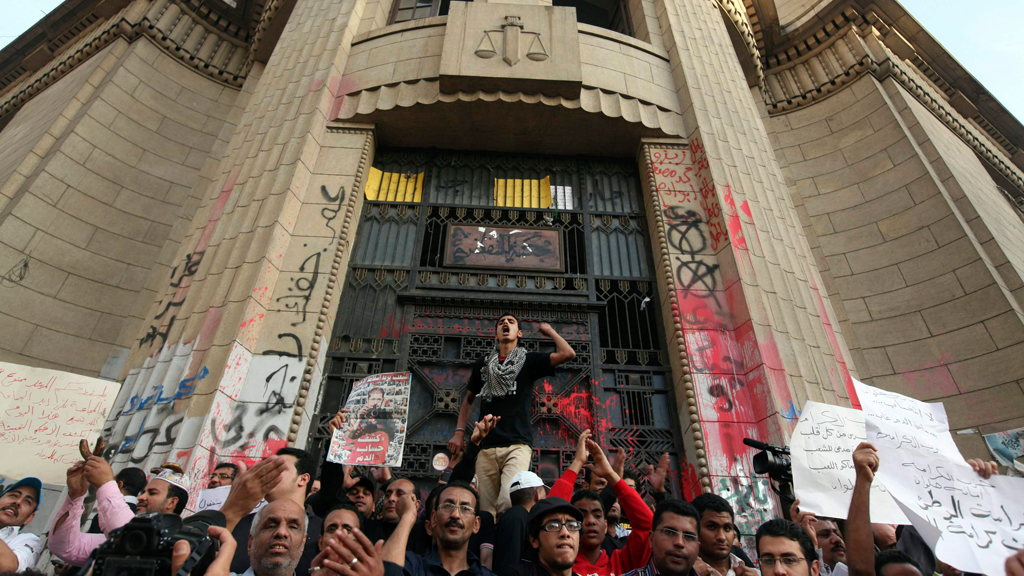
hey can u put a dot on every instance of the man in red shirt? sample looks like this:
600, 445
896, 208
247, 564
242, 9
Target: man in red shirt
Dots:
592, 560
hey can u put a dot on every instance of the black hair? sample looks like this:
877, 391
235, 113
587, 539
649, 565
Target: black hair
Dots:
586, 495
464, 486
133, 480
522, 496
887, 557
631, 475
343, 505
779, 528
674, 506
233, 467
713, 503
500, 316
181, 494
304, 463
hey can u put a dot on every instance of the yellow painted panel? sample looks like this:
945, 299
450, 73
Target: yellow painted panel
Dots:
373, 184
418, 197
499, 191
519, 193
393, 186
405, 191
534, 194
545, 192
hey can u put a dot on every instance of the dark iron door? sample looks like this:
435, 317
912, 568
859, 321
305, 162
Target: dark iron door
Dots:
417, 297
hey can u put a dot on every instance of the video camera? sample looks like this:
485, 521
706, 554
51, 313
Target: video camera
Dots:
143, 546
775, 462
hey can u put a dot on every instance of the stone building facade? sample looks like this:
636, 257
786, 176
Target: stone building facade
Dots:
238, 207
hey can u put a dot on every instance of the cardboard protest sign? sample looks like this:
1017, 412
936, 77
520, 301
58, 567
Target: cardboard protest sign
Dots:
374, 433
821, 447
213, 499
45, 415
972, 524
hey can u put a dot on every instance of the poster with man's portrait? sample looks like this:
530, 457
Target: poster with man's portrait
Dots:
377, 411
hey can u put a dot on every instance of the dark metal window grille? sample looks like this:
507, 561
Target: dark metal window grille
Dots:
403, 309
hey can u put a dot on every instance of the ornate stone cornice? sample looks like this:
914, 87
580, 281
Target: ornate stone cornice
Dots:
175, 29
839, 54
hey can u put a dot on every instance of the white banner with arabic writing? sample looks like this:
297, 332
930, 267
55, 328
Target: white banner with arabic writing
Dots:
45, 413
822, 448
971, 523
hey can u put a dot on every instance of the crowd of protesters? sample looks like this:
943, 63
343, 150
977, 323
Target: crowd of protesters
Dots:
490, 514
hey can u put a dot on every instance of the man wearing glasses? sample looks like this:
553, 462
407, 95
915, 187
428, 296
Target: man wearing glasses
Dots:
554, 529
453, 521
675, 545
785, 549
223, 475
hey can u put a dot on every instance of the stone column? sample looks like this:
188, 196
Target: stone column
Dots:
755, 338
232, 346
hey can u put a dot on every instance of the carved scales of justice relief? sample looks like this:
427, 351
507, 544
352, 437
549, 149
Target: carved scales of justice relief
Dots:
511, 32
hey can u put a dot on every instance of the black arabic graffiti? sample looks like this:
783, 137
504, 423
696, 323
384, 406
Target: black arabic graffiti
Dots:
188, 270
298, 346
304, 287
330, 213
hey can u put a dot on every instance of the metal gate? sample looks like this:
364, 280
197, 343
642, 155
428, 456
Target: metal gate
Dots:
415, 300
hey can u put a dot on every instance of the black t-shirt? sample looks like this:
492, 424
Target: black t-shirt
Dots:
514, 409
510, 537
240, 562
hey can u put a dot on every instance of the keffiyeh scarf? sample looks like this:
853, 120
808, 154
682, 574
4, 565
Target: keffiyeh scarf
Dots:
500, 377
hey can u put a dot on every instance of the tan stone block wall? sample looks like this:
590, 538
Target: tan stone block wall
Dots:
99, 204
913, 283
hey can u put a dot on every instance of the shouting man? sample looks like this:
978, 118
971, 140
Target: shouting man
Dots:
504, 380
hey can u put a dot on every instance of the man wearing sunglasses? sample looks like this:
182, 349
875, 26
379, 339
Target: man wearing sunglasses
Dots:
554, 528
675, 545
455, 518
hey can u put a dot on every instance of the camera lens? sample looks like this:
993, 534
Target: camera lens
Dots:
134, 542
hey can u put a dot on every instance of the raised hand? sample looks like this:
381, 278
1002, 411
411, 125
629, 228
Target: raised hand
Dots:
581, 452
381, 475
252, 486
619, 461
865, 461
483, 428
406, 505
602, 467
984, 469
657, 476
338, 421
805, 520
98, 471
348, 481
351, 555
78, 485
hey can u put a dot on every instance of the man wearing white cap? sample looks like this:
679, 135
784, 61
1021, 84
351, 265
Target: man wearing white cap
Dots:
166, 492
19, 551
511, 533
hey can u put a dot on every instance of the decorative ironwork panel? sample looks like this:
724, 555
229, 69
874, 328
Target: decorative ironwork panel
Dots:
404, 308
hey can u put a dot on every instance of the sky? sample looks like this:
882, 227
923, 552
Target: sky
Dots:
984, 35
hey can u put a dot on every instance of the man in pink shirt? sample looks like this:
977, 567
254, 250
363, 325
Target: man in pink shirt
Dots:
165, 492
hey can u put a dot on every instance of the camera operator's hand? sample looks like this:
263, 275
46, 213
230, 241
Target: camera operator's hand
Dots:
98, 471
78, 485
351, 555
249, 488
221, 565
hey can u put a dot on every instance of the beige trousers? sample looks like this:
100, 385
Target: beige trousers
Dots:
495, 468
